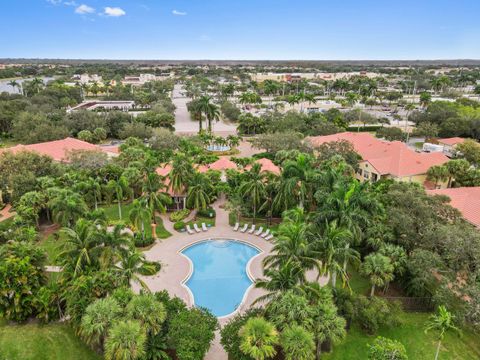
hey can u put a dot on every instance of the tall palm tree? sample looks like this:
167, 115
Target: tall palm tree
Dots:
210, 110
198, 191
14, 84
331, 245
379, 269
130, 267
254, 188
81, 247
258, 339
120, 187
327, 326
67, 206
126, 341
182, 170
140, 214
442, 322
37, 84
156, 200
115, 242
149, 311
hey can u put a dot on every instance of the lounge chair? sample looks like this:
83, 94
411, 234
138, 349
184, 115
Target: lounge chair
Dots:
265, 233
269, 237
259, 231
244, 228
252, 229
237, 225
204, 228
190, 231
195, 226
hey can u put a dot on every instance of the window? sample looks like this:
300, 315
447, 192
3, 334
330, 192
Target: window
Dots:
366, 174
359, 172
374, 177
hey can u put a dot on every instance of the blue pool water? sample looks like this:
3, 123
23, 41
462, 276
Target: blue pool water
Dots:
219, 278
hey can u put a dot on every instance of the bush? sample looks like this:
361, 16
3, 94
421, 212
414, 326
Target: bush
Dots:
143, 242
179, 225
179, 215
386, 349
374, 312
150, 268
207, 213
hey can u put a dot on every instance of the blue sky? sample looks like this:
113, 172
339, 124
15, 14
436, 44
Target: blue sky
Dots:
240, 29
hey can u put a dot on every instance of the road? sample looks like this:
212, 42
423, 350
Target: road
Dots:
183, 123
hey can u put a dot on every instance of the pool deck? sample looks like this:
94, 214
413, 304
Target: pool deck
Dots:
176, 268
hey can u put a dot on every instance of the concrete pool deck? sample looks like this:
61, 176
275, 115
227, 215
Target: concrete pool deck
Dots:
176, 267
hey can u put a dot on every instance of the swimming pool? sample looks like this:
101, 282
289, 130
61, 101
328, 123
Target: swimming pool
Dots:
219, 279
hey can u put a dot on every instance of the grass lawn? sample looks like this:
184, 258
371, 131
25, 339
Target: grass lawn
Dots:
37, 342
112, 214
199, 220
411, 334
52, 244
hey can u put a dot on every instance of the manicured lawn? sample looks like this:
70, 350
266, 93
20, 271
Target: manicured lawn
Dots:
37, 342
52, 245
411, 334
199, 220
112, 214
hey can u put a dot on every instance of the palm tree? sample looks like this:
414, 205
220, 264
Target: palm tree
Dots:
67, 206
156, 200
254, 188
379, 269
97, 320
198, 191
14, 84
81, 247
150, 312
291, 245
131, 265
120, 187
37, 84
115, 242
139, 214
297, 343
327, 326
331, 245
258, 339
126, 341
442, 322
210, 110
437, 173
279, 280
182, 170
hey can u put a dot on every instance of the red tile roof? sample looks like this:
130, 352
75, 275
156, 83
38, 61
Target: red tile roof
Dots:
221, 164
387, 157
266, 165
451, 141
465, 199
58, 149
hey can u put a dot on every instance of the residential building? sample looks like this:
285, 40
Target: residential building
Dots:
465, 199
123, 105
87, 78
387, 159
449, 144
58, 150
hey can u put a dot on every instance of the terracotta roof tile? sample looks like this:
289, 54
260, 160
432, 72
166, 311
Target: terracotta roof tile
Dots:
465, 199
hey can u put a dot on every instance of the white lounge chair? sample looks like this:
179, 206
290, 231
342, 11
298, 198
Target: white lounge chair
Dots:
252, 229
244, 228
204, 227
190, 231
195, 226
237, 225
265, 233
259, 231
269, 237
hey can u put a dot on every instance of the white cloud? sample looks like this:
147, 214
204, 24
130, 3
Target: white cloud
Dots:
179, 13
70, 3
54, 2
84, 9
114, 11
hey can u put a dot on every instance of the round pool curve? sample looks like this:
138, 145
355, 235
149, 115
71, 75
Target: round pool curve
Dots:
219, 279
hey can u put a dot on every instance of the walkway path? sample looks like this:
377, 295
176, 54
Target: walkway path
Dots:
5, 213
183, 122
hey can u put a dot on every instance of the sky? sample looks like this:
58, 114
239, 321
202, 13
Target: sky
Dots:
240, 29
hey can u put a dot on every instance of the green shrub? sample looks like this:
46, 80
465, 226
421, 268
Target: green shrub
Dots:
143, 242
374, 312
150, 268
179, 225
386, 349
207, 213
179, 215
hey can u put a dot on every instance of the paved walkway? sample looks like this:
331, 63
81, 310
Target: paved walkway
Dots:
5, 213
176, 268
183, 122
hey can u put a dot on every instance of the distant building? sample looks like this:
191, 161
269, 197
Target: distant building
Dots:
122, 105
387, 159
86, 78
58, 150
143, 78
465, 199
294, 77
